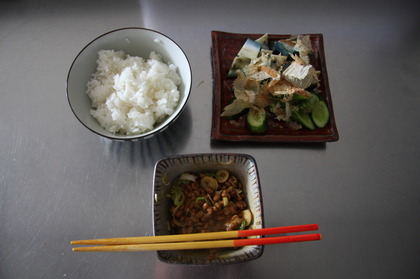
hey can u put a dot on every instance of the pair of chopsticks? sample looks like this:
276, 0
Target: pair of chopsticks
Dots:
199, 240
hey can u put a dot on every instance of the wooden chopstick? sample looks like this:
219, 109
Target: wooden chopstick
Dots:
195, 236
200, 244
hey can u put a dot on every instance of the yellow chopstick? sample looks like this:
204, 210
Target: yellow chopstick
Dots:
195, 236
200, 244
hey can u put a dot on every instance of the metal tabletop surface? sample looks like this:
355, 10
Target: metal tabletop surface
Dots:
60, 182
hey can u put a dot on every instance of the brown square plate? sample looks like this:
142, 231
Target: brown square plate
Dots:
225, 46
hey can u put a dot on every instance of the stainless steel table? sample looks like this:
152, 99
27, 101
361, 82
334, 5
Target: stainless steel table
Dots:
60, 182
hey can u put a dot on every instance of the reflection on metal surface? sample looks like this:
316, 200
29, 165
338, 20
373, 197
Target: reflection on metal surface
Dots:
146, 152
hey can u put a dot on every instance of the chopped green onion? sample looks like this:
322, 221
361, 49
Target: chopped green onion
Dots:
179, 224
179, 199
165, 180
175, 189
211, 200
197, 204
188, 177
243, 225
177, 195
211, 174
225, 201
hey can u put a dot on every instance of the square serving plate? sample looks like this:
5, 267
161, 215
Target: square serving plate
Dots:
225, 46
242, 166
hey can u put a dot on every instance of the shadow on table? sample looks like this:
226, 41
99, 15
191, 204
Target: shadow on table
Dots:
265, 145
147, 151
165, 270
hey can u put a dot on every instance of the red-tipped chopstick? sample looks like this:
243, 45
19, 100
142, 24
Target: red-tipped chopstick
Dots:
196, 236
195, 241
201, 244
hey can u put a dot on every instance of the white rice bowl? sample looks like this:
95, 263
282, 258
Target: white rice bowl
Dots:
130, 94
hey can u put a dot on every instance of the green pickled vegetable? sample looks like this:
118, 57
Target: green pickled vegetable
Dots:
257, 120
297, 97
303, 119
243, 225
320, 114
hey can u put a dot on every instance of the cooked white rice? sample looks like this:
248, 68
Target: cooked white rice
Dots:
130, 94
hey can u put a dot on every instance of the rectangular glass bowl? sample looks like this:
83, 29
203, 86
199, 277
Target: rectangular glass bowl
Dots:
243, 166
225, 46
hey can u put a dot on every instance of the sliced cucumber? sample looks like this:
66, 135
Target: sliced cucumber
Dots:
314, 98
320, 114
257, 120
304, 106
304, 119
298, 97
307, 105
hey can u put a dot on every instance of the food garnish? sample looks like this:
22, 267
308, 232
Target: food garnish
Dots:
276, 80
221, 175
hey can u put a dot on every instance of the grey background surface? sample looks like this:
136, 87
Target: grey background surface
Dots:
60, 182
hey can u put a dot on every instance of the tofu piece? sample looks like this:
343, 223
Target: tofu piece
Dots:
301, 76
